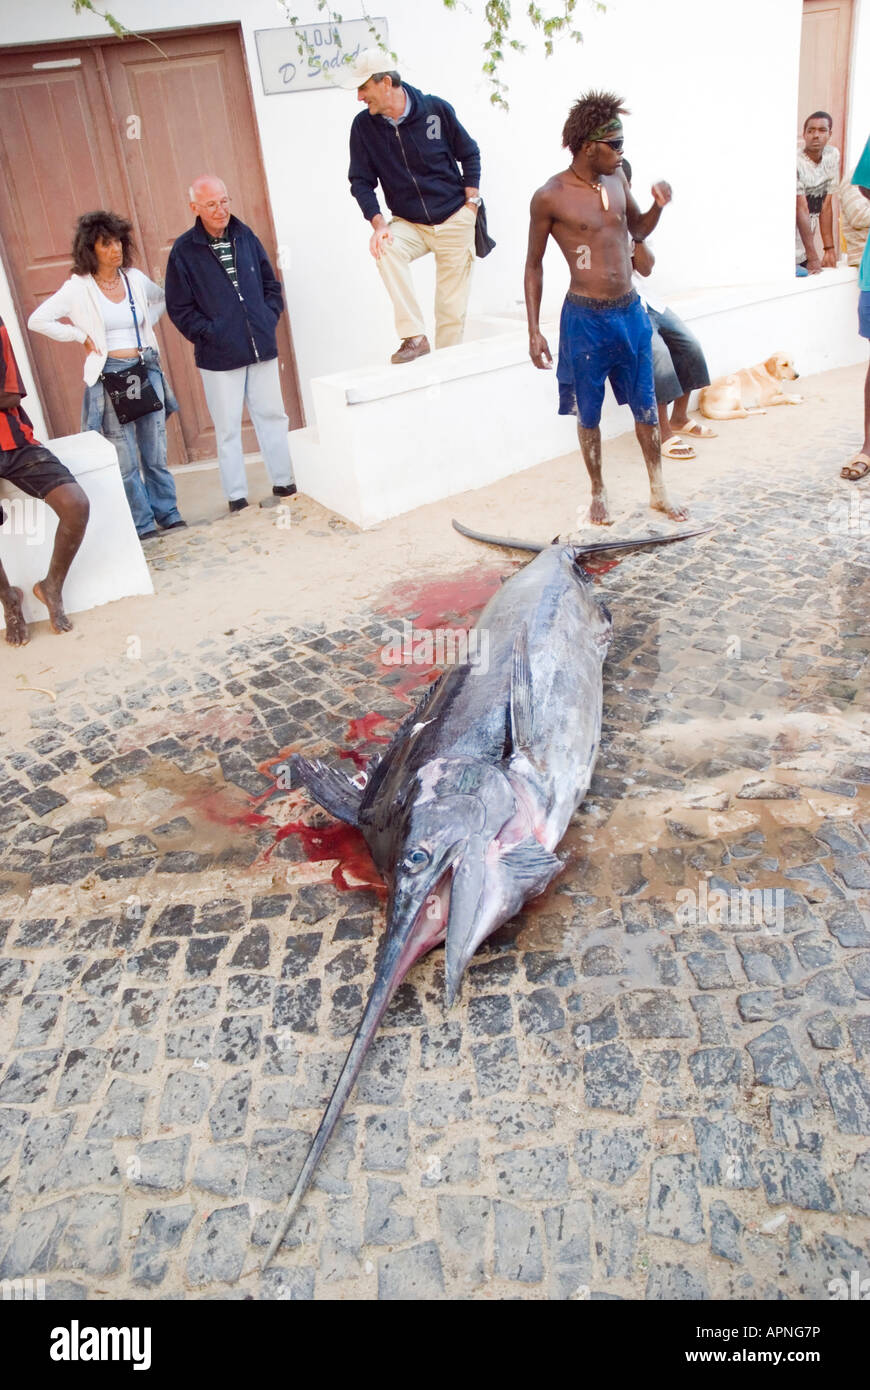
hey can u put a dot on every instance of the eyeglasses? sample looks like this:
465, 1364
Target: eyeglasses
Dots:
615, 145
214, 205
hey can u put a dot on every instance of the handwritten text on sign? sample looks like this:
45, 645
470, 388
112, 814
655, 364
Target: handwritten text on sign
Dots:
326, 48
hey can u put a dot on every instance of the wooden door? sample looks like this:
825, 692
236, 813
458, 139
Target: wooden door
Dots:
186, 110
127, 126
57, 161
826, 36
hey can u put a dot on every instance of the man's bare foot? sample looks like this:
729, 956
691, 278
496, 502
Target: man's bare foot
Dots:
52, 600
17, 634
598, 513
675, 510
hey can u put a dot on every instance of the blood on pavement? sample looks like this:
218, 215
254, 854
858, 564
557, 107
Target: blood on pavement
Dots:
433, 603
430, 604
355, 868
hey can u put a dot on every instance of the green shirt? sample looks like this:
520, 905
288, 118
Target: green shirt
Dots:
862, 176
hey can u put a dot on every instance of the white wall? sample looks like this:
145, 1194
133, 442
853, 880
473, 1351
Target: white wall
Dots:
859, 87
711, 90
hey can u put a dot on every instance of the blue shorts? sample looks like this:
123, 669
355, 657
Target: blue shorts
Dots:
864, 313
601, 339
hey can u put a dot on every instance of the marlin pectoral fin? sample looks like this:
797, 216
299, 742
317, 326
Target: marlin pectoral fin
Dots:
521, 693
466, 890
530, 863
333, 791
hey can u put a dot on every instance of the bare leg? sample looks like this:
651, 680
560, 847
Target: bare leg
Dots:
665, 430
865, 447
679, 415
16, 628
72, 507
590, 447
650, 443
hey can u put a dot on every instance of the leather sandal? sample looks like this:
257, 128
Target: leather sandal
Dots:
857, 467
677, 448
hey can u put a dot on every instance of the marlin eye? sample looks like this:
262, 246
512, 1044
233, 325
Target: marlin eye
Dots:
417, 858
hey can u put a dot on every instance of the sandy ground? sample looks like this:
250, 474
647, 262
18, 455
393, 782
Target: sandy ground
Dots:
321, 567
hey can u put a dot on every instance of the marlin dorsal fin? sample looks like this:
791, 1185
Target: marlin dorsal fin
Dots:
333, 791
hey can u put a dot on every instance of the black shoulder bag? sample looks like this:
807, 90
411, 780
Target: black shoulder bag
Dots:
483, 242
130, 391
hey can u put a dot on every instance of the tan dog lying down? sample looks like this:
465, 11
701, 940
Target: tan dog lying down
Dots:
749, 391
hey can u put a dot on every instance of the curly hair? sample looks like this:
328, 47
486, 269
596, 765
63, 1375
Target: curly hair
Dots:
589, 113
100, 226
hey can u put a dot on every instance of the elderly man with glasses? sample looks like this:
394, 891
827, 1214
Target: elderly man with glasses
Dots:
224, 297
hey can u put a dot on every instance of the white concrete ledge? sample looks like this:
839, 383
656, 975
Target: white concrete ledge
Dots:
388, 439
110, 563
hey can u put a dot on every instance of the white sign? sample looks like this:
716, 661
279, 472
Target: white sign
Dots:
303, 59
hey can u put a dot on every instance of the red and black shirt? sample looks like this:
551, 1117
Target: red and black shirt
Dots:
15, 427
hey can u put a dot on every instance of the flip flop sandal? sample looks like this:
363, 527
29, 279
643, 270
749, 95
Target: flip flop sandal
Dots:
677, 448
699, 431
857, 467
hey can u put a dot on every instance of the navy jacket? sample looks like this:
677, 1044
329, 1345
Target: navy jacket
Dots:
201, 299
415, 162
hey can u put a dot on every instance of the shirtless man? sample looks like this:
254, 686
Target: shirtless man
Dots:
36, 471
604, 332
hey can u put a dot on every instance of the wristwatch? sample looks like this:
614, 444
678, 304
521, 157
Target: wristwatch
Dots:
476, 200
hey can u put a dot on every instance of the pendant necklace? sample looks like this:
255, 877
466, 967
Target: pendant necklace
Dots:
596, 187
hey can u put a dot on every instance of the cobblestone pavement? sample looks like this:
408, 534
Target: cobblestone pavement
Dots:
626, 1102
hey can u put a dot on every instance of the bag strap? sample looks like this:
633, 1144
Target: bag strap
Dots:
133, 312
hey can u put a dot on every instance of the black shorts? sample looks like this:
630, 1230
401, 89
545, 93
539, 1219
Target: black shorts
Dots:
34, 469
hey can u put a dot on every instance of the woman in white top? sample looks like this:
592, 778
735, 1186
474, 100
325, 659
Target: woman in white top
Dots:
96, 300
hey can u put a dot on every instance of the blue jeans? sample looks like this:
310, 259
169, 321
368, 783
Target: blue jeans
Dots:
140, 445
679, 365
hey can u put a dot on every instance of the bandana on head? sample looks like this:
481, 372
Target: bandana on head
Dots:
609, 128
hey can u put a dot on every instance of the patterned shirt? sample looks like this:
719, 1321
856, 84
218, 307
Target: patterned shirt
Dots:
223, 249
815, 182
15, 427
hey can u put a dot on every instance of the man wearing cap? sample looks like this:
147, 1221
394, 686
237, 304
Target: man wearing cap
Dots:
413, 145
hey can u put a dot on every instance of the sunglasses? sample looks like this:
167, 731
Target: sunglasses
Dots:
615, 145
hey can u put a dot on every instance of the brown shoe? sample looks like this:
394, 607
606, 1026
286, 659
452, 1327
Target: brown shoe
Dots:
410, 348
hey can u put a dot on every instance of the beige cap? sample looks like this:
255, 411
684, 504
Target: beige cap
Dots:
365, 65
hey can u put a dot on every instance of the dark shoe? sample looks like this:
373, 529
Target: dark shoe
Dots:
238, 504
175, 526
410, 348
282, 491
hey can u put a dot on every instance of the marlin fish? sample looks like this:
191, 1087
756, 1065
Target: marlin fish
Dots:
464, 811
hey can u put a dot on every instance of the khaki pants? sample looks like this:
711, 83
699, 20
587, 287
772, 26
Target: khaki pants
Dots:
453, 245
